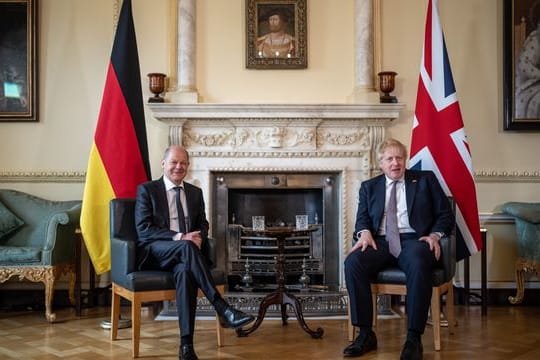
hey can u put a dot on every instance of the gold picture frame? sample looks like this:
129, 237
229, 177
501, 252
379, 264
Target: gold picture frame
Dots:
18, 60
521, 63
276, 34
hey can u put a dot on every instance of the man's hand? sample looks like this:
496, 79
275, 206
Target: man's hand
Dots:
194, 236
364, 241
433, 241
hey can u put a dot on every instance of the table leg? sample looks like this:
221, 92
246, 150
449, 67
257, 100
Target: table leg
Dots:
467, 280
483, 287
78, 269
270, 299
289, 299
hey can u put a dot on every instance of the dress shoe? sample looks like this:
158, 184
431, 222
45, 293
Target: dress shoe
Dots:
232, 318
412, 350
187, 352
363, 343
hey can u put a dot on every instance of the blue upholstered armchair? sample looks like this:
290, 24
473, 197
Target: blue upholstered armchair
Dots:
37, 241
527, 218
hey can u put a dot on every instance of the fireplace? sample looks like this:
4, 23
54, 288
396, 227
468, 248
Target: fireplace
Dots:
279, 197
318, 152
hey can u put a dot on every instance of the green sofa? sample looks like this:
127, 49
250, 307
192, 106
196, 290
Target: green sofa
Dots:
37, 241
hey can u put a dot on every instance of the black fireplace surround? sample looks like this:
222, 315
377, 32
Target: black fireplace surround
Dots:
279, 197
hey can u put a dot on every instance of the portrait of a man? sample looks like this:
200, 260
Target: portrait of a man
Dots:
276, 37
276, 34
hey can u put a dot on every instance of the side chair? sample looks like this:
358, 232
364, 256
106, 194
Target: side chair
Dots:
140, 286
392, 281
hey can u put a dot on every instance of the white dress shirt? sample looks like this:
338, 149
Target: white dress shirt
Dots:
171, 200
402, 214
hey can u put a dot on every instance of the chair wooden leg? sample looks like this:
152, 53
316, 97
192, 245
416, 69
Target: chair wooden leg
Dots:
135, 325
350, 327
436, 318
450, 309
115, 313
219, 330
374, 302
72, 279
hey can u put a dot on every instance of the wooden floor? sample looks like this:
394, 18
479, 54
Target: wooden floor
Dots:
507, 333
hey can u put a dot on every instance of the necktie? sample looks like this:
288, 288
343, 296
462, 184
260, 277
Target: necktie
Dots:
392, 229
180, 209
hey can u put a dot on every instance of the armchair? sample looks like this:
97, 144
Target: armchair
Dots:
37, 241
392, 281
139, 286
527, 218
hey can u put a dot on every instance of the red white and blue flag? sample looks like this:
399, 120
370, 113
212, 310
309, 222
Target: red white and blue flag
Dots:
438, 139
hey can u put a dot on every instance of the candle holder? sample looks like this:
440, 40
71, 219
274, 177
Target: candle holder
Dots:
387, 84
157, 86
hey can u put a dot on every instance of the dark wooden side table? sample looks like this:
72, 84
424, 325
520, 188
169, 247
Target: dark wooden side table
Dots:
483, 276
78, 247
92, 291
280, 296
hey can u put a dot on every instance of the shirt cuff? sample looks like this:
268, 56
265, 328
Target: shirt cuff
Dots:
358, 234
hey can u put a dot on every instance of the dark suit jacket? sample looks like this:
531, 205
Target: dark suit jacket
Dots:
152, 215
427, 205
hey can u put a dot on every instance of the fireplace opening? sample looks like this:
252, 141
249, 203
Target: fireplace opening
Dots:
238, 196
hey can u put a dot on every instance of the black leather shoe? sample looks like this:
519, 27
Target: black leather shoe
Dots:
361, 345
232, 318
412, 350
187, 352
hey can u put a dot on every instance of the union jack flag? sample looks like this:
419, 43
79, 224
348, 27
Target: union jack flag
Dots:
438, 139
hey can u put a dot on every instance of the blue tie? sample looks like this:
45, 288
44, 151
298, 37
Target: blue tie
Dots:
180, 209
392, 229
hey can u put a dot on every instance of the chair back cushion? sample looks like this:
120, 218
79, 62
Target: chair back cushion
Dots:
122, 217
124, 265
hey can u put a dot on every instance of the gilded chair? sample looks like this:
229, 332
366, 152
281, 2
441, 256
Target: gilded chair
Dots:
527, 219
138, 286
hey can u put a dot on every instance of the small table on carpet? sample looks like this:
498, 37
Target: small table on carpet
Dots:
280, 296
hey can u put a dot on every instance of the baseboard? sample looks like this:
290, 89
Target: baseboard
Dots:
24, 300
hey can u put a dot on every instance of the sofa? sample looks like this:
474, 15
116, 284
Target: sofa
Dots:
37, 241
527, 219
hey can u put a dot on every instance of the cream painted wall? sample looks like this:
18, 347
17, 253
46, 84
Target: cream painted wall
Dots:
76, 40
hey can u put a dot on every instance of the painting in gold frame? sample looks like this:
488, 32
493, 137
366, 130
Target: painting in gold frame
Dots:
276, 35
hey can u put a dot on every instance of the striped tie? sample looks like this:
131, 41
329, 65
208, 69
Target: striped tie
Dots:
392, 229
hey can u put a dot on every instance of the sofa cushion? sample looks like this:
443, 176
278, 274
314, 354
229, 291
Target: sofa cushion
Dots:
9, 222
19, 255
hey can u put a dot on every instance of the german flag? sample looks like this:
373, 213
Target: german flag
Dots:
119, 154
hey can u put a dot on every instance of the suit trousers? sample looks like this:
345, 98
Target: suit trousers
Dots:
190, 271
416, 260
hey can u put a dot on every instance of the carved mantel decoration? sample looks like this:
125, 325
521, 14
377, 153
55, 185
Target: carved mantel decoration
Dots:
281, 138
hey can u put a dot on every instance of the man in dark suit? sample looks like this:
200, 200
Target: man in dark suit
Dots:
172, 235
421, 216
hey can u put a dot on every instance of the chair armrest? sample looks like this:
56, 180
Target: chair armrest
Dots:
448, 256
59, 244
125, 260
